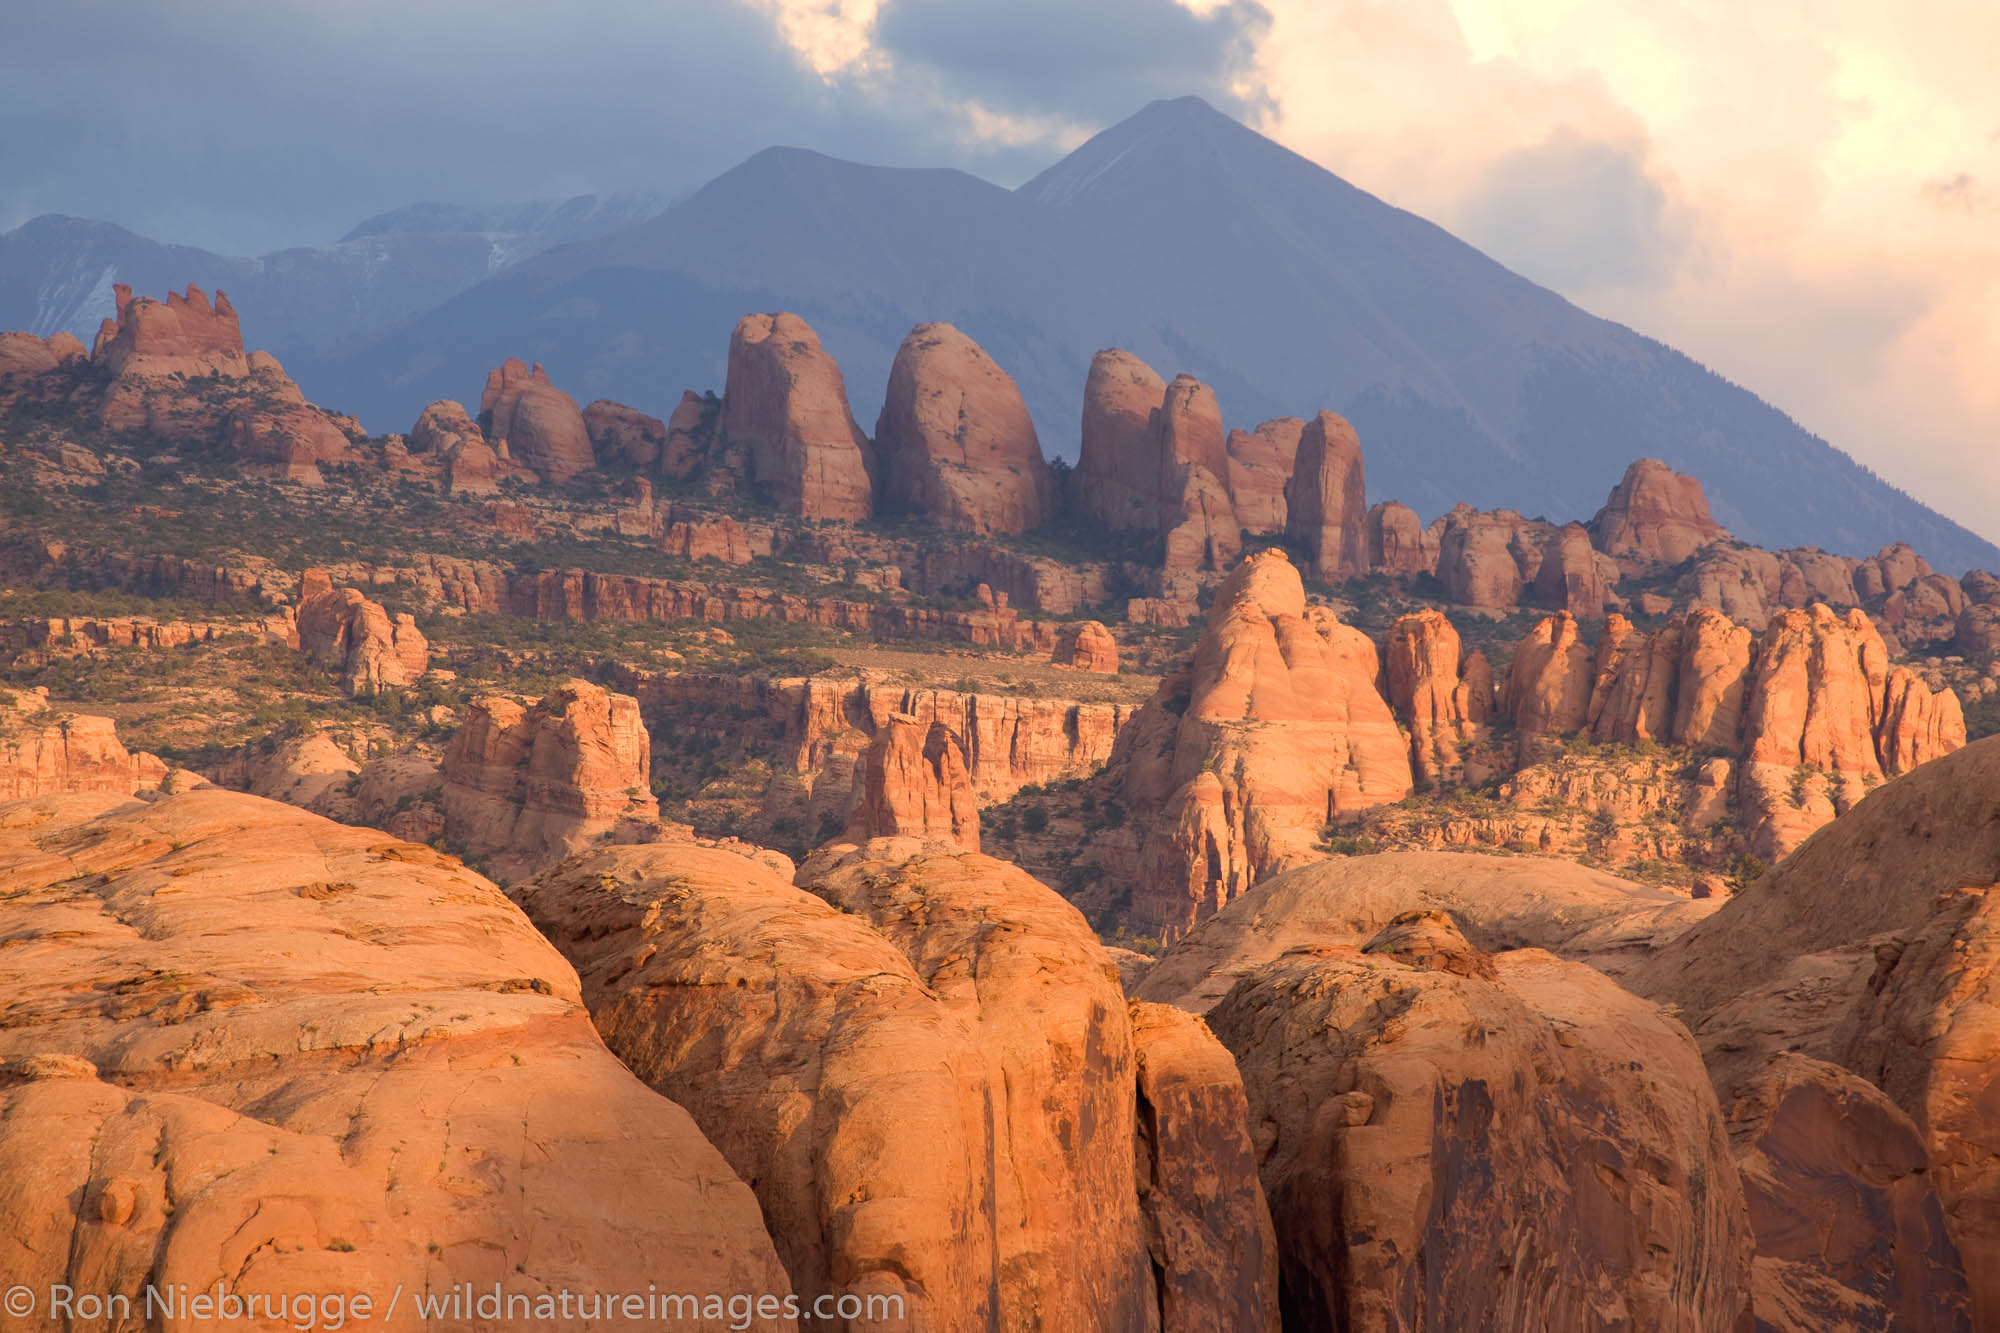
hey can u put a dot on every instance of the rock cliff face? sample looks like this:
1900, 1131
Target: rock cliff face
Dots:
1442, 702
1326, 504
1654, 517
526, 786
343, 627
926, 1065
1260, 464
911, 781
1116, 471
1873, 948
1240, 761
45, 751
1185, 440
528, 419
784, 409
957, 446
1398, 542
363, 1069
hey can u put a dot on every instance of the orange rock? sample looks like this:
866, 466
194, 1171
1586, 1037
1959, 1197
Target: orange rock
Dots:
526, 418
1713, 673
343, 626
1260, 463
785, 407
1185, 440
1654, 517
1477, 561
1398, 542
48, 750
1572, 575
1088, 646
244, 1088
1441, 709
1326, 504
1550, 680
912, 782
184, 335
956, 444
1117, 473
626, 433
23, 354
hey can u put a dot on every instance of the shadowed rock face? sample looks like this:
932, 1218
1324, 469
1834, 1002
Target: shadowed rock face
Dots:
1116, 476
1154, 459
1441, 702
1326, 504
527, 418
784, 409
625, 433
1655, 517
926, 1065
1260, 464
1455, 1139
911, 781
956, 444
1873, 948
249, 1043
1239, 762
525, 786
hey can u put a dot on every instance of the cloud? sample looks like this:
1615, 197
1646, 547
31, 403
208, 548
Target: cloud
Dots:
1959, 193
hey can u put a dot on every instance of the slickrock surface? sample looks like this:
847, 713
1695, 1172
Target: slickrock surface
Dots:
1238, 762
784, 407
1873, 947
1655, 517
1088, 646
342, 626
911, 781
1326, 503
1500, 902
1260, 463
527, 418
1116, 472
242, 1043
929, 1071
1456, 1139
44, 751
526, 786
956, 444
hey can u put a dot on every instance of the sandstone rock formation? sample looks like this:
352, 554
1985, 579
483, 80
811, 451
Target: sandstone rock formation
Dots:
930, 1074
1873, 948
1238, 763
1326, 503
912, 782
24, 354
1549, 682
342, 626
1184, 437
45, 751
471, 467
183, 335
1476, 561
1442, 704
1572, 576
1260, 464
1116, 471
955, 442
254, 1046
1654, 517
625, 433
1087, 645
784, 406
528, 419
526, 786
1398, 542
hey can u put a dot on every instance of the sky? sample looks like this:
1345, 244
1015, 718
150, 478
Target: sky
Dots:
1804, 197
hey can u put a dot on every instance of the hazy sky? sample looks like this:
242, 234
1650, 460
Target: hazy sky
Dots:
1806, 197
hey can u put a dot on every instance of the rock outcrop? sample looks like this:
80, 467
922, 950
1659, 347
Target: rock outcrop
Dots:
625, 433
45, 751
1116, 471
911, 781
1572, 576
1326, 503
528, 419
1185, 440
1477, 561
527, 786
246, 1044
1398, 542
445, 432
1873, 948
1239, 762
956, 445
1260, 464
784, 409
25, 355
183, 335
1654, 517
1442, 702
1087, 645
343, 627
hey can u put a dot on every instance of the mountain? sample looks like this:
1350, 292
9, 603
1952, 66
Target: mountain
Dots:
56, 272
1197, 244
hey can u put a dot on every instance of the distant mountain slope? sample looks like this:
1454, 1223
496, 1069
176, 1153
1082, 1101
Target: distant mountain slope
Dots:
1199, 245
57, 272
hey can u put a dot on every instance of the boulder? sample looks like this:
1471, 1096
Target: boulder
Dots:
911, 781
1087, 645
784, 408
526, 418
342, 626
245, 1044
956, 444
1326, 504
1654, 517
1260, 463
